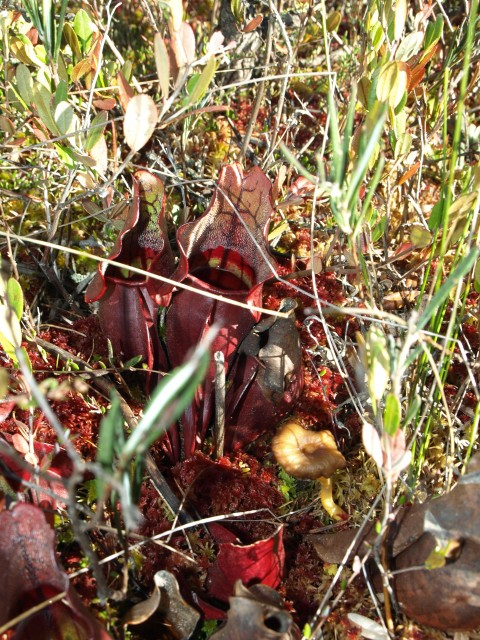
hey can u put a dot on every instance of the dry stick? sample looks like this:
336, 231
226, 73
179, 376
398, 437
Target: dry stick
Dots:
260, 94
154, 276
219, 359
285, 81
107, 388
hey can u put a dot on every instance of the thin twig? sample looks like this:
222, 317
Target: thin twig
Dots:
259, 97
219, 403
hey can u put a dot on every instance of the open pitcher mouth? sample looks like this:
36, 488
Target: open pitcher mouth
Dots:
223, 269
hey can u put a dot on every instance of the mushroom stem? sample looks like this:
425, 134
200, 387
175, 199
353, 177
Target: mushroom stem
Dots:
326, 497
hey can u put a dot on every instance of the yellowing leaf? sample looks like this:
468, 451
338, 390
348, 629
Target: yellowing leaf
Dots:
443, 551
72, 40
176, 13
140, 121
377, 364
409, 46
371, 442
392, 83
14, 295
163, 64
11, 332
81, 69
420, 237
400, 17
463, 204
364, 85
333, 21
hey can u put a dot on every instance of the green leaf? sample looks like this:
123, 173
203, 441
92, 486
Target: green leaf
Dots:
14, 295
202, 83
66, 156
237, 10
23, 78
433, 33
465, 265
375, 124
26, 357
60, 21
333, 21
377, 35
412, 410
436, 216
403, 101
61, 92
172, 396
82, 25
443, 551
71, 158
95, 131
392, 414
377, 365
420, 237
307, 631
133, 362
110, 440
379, 229
137, 478
64, 117
42, 99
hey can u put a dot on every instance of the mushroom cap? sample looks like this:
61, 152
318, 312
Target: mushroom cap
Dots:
306, 454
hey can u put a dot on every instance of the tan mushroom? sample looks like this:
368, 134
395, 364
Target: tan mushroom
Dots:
310, 455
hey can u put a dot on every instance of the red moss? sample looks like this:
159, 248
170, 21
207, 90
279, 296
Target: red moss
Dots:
240, 483
80, 417
242, 109
304, 577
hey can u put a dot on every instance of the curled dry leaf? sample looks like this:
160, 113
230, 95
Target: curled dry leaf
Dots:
443, 533
125, 91
162, 62
253, 24
31, 576
140, 121
370, 629
166, 598
257, 613
301, 189
183, 44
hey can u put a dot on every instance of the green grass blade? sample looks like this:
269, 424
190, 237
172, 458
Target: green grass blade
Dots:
464, 266
172, 396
